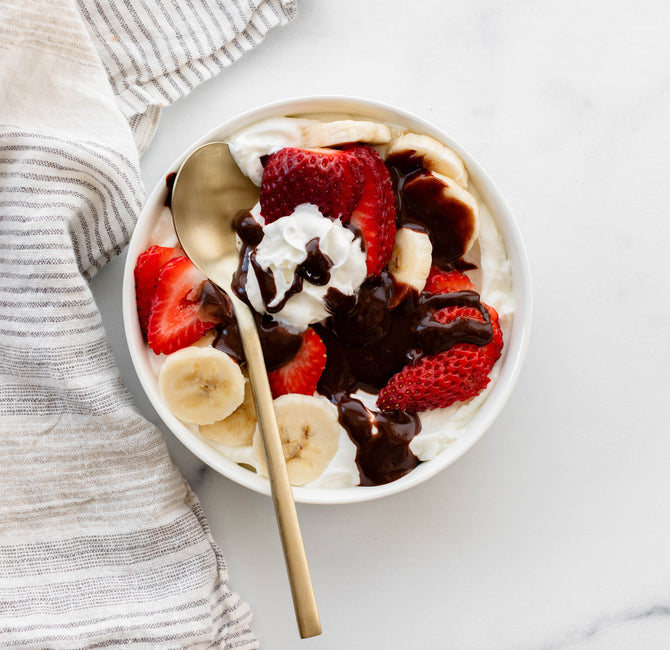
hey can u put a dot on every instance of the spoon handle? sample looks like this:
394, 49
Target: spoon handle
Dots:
304, 602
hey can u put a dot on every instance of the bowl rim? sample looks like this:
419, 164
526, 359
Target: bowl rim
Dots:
513, 354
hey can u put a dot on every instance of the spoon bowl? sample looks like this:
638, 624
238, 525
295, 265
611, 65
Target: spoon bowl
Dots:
209, 193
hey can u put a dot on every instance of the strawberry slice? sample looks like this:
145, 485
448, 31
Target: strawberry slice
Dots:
440, 281
179, 312
302, 373
146, 271
439, 380
331, 179
374, 214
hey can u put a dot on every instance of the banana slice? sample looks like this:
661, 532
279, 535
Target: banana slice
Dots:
237, 430
201, 385
411, 258
326, 134
452, 211
207, 340
436, 156
309, 432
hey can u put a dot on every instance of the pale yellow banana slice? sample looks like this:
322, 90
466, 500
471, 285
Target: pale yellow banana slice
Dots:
201, 385
436, 156
411, 258
309, 432
207, 340
326, 134
237, 430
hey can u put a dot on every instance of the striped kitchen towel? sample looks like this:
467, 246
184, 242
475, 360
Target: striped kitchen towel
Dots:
102, 543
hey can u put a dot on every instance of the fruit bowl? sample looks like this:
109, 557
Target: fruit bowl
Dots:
516, 336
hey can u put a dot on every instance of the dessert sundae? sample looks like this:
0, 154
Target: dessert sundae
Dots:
382, 294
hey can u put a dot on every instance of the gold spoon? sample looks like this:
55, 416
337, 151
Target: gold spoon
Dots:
209, 192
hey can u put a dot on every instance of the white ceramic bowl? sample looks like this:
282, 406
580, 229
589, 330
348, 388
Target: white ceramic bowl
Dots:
515, 344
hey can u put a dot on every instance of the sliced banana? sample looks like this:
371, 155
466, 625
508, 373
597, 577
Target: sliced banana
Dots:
459, 207
411, 258
309, 432
436, 156
326, 134
201, 385
237, 430
207, 340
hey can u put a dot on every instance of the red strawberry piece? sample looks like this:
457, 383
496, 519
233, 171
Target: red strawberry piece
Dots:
439, 380
493, 349
375, 213
440, 281
444, 282
179, 312
147, 267
331, 179
302, 373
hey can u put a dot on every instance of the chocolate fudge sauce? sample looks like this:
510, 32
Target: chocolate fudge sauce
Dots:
422, 205
367, 342
317, 265
280, 342
169, 182
382, 456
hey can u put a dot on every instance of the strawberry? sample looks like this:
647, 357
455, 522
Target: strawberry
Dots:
302, 373
178, 314
147, 267
374, 214
440, 281
331, 179
439, 380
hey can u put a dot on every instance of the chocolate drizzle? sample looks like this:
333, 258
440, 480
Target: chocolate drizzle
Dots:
169, 183
315, 269
382, 440
216, 303
251, 234
280, 342
317, 265
422, 205
368, 341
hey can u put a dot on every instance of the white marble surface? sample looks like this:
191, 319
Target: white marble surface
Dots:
553, 532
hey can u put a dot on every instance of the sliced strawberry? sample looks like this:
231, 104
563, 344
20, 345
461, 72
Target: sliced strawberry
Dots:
445, 282
331, 179
439, 380
179, 313
493, 350
374, 214
440, 281
302, 373
147, 267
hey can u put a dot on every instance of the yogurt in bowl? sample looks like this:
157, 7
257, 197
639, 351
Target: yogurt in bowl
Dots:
383, 262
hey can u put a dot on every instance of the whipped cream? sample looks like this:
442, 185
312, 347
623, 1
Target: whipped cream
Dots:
283, 249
